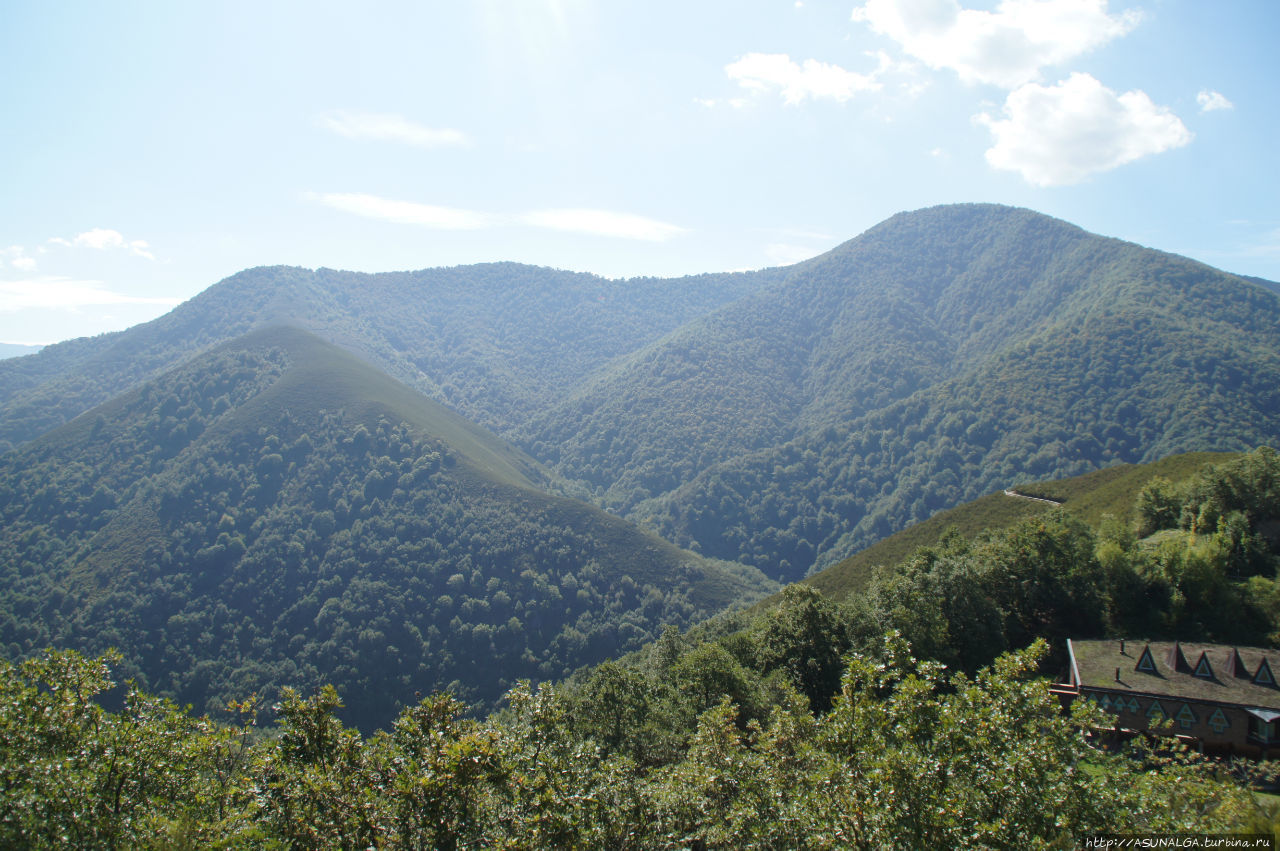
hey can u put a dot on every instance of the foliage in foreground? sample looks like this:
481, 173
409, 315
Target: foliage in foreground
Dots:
908, 756
804, 727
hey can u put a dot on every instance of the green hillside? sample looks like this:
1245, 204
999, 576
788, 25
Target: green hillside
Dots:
774, 728
783, 419
1092, 498
498, 342
942, 355
278, 512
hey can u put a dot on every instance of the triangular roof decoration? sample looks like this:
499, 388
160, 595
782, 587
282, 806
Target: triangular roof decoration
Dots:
1177, 661
1203, 668
1264, 677
1235, 665
1146, 664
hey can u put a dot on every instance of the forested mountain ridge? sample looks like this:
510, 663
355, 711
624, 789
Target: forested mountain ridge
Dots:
496, 341
1104, 498
275, 511
941, 355
782, 418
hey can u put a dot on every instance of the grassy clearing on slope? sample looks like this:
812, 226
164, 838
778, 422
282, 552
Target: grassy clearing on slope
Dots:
1090, 497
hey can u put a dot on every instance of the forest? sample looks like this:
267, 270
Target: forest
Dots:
229, 529
784, 418
492, 555
917, 716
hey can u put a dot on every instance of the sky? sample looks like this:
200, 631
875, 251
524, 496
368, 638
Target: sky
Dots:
151, 149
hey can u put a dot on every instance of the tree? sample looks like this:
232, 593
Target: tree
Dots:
437, 770
1159, 506
1045, 575
806, 636
317, 780
708, 673
77, 775
615, 706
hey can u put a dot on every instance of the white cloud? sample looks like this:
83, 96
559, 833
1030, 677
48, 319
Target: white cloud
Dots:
17, 257
1058, 135
1006, 47
596, 222
100, 238
59, 293
389, 128
1209, 101
713, 103
402, 212
603, 223
104, 239
797, 82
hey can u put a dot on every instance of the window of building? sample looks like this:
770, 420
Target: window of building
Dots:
1262, 727
1264, 676
1145, 663
1219, 722
1186, 718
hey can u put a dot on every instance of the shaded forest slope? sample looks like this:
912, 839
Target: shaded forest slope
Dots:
785, 418
276, 511
944, 354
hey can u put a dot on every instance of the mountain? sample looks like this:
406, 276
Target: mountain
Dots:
277, 511
941, 355
16, 350
785, 418
1263, 282
497, 342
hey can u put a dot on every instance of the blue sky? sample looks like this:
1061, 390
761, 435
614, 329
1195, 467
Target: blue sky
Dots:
152, 149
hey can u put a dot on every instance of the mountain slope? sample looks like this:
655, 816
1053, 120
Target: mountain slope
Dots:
941, 355
495, 341
783, 418
276, 511
1091, 497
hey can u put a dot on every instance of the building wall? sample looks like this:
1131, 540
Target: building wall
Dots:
1233, 737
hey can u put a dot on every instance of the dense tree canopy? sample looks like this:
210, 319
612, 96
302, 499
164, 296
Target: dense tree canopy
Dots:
783, 418
231, 530
906, 757
280, 532
915, 716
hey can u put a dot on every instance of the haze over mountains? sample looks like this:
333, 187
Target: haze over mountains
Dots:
779, 419
15, 350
